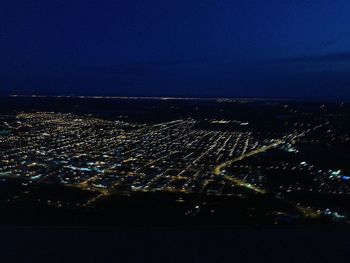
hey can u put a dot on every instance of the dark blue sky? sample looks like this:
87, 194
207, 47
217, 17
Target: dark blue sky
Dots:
271, 48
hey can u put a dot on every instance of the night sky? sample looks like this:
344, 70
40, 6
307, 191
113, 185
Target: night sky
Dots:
241, 48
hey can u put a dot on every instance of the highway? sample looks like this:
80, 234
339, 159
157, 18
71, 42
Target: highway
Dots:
220, 167
306, 211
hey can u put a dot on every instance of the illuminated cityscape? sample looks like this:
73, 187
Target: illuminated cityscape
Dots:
174, 131
189, 154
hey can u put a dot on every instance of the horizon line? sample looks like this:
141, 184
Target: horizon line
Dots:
166, 97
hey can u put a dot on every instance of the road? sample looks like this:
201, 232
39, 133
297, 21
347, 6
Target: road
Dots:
306, 211
220, 167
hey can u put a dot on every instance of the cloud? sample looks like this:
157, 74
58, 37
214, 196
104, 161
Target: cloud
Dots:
122, 69
322, 58
329, 43
141, 68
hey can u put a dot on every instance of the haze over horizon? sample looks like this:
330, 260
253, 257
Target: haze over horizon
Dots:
276, 49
